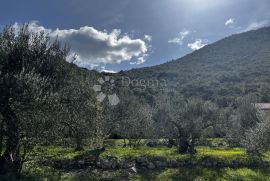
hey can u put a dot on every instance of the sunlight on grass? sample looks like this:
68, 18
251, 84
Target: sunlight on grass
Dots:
57, 152
245, 174
205, 174
123, 152
215, 152
266, 156
171, 153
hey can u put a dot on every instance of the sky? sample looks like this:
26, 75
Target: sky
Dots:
114, 35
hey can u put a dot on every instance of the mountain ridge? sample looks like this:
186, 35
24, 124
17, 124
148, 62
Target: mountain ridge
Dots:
231, 67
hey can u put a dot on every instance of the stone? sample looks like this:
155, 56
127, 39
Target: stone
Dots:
114, 165
109, 155
141, 159
81, 162
106, 174
95, 171
173, 163
134, 169
181, 163
99, 164
126, 164
160, 164
151, 165
144, 164
106, 164
193, 162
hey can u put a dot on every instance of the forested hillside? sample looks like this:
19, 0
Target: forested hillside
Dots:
235, 66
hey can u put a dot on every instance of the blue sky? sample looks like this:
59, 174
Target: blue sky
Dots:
124, 34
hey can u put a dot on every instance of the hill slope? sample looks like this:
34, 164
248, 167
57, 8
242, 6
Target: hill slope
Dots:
232, 67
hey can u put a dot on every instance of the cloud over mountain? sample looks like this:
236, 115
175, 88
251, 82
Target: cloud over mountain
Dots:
196, 45
230, 22
92, 46
179, 38
256, 25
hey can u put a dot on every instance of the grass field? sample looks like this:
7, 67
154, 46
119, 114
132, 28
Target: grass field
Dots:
34, 171
206, 174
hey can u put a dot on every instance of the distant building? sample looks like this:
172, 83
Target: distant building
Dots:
265, 107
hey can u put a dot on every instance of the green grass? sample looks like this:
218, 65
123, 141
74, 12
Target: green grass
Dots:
57, 152
220, 152
171, 153
204, 156
33, 171
205, 174
224, 152
124, 152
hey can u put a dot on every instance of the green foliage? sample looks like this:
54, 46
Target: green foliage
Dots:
257, 139
242, 119
190, 118
30, 72
42, 96
217, 142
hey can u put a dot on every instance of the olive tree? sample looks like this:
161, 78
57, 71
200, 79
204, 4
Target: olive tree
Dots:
136, 122
30, 68
245, 117
189, 118
1, 134
106, 122
257, 139
251, 128
77, 110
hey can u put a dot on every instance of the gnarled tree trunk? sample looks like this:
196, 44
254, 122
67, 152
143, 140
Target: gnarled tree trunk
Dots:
1, 136
183, 145
78, 140
10, 161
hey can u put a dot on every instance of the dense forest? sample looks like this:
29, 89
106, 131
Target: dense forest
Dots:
209, 93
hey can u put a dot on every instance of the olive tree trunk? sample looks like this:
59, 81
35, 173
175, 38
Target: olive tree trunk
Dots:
78, 140
1, 136
10, 161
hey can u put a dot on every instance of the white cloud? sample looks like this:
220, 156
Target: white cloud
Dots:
198, 44
103, 69
32, 26
148, 38
230, 22
140, 60
256, 25
180, 37
94, 47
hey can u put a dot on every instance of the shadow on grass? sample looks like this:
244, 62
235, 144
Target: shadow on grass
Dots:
191, 174
80, 160
39, 174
